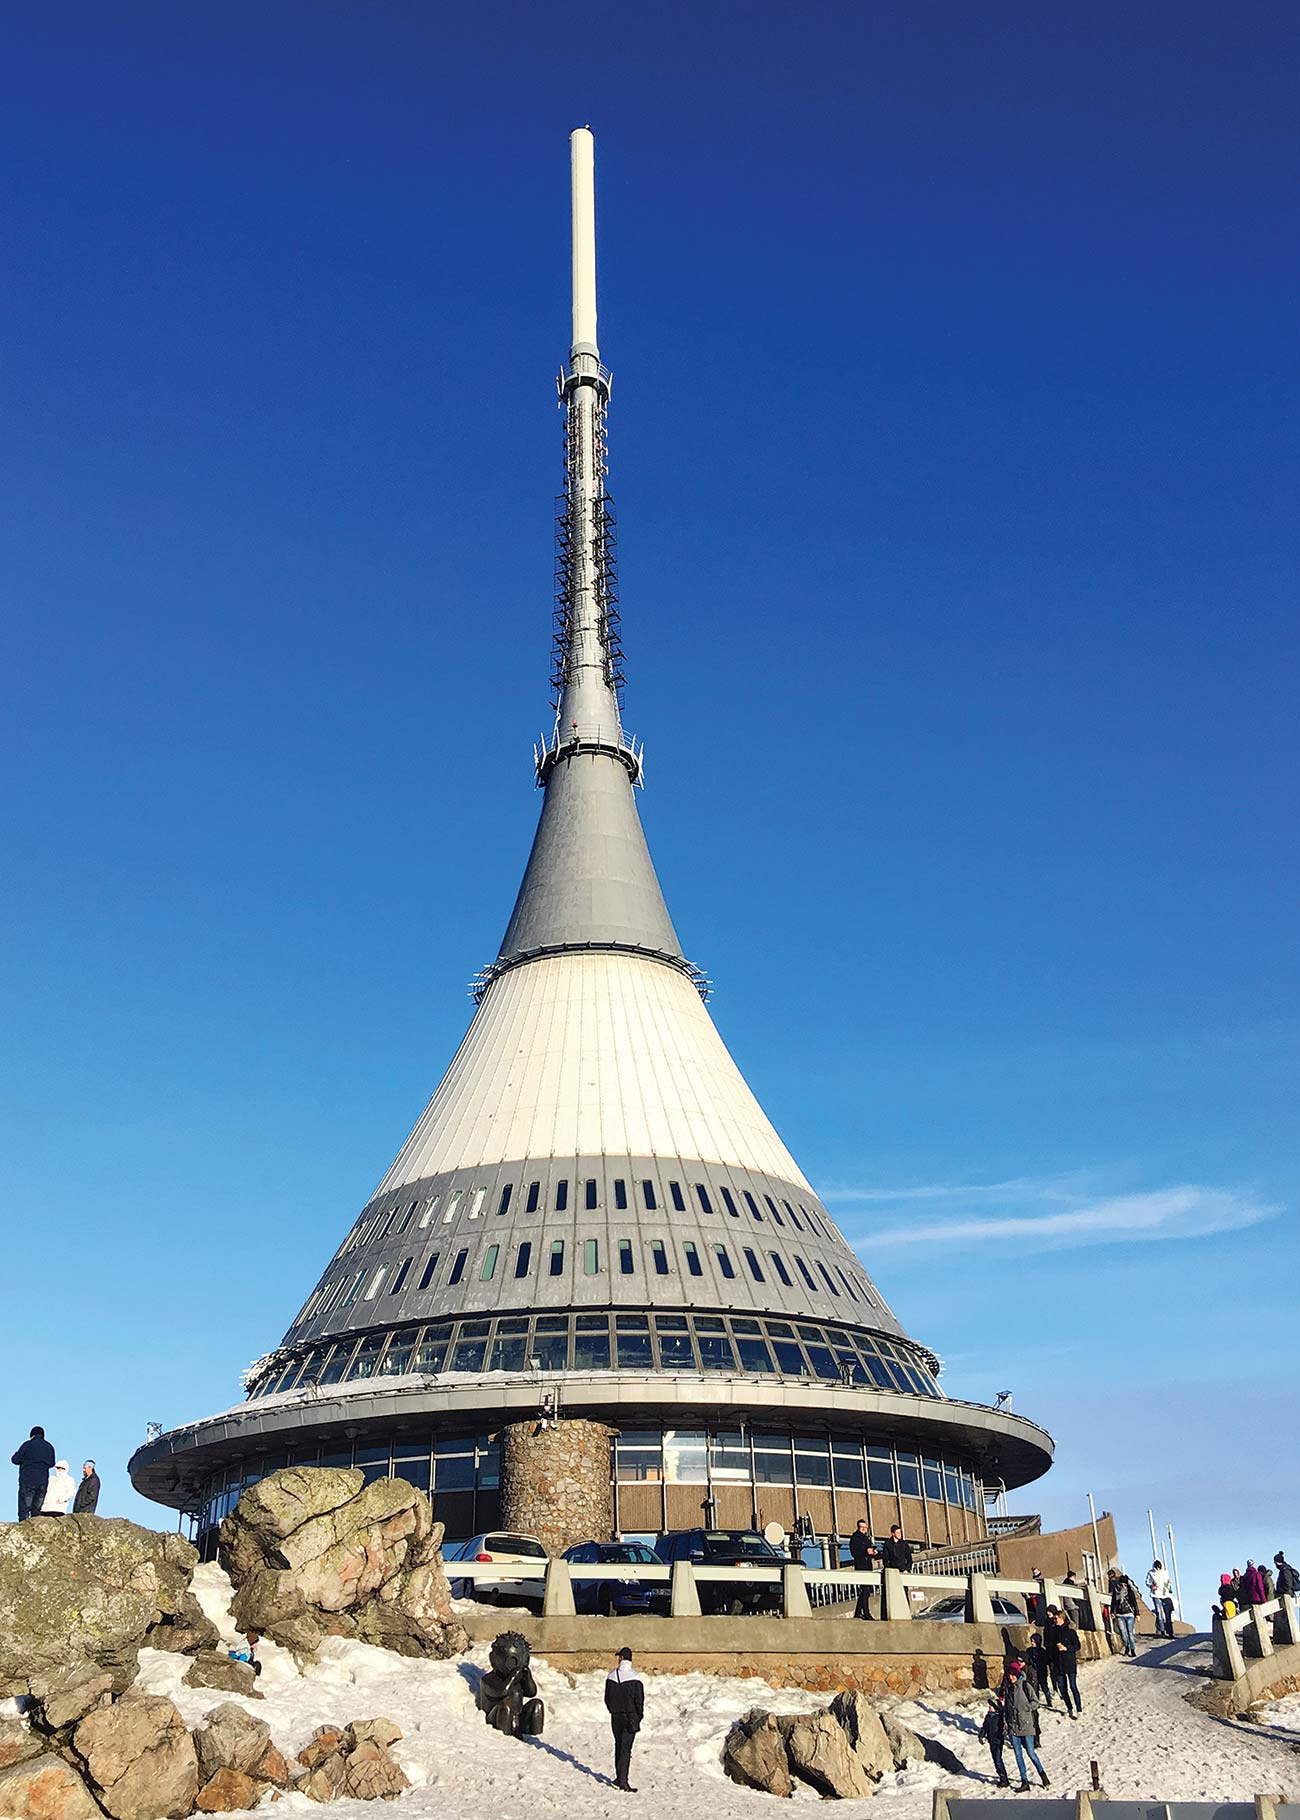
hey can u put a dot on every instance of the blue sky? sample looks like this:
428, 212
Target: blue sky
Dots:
954, 450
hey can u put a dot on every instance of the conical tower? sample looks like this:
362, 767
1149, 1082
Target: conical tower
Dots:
594, 1213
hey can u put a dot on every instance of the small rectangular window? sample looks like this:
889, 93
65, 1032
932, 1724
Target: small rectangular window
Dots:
778, 1264
693, 1259
407, 1217
772, 1209
702, 1196
457, 1269
489, 1269
503, 1205
403, 1272
476, 1208
831, 1284
648, 1196
752, 1204
427, 1215
755, 1268
620, 1195
534, 1194
625, 1260
591, 1192
804, 1272
659, 1257
794, 1217
557, 1257
725, 1264
372, 1288
847, 1284
590, 1257
453, 1202
679, 1199
426, 1276
729, 1204
522, 1256
561, 1196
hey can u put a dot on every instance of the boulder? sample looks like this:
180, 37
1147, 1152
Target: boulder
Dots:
59, 1712
371, 1774
184, 1632
230, 1738
352, 1764
904, 1744
315, 1552
754, 1754
18, 1741
229, 1791
139, 1758
820, 1754
318, 1784
45, 1788
374, 1731
325, 1741
865, 1731
212, 1668
271, 1767
77, 1597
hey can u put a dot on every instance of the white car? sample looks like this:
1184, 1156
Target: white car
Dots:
497, 1545
953, 1611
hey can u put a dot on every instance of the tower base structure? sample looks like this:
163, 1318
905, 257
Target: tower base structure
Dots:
556, 1483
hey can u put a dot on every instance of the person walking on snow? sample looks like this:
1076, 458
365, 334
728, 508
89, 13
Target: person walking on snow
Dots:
625, 1704
60, 1488
33, 1459
866, 1559
1252, 1586
1162, 1599
994, 1733
87, 1498
1021, 1703
1123, 1609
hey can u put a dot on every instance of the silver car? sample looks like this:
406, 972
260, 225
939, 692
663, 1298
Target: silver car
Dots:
953, 1610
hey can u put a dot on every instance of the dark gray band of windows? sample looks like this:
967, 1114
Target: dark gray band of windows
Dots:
649, 1340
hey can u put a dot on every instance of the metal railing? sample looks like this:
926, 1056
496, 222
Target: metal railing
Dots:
1253, 1633
800, 1589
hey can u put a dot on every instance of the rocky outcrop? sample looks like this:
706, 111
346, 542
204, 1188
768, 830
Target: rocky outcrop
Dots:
139, 1759
230, 1738
77, 1598
184, 1632
352, 1763
842, 1751
212, 1668
45, 1788
315, 1552
18, 1742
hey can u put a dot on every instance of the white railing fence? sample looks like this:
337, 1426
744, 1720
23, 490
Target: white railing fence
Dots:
1253, 1633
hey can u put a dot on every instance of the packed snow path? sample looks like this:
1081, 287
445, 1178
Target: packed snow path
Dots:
1147, 1740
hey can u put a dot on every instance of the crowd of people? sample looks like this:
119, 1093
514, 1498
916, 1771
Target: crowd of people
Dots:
1238, 1591
45, 1486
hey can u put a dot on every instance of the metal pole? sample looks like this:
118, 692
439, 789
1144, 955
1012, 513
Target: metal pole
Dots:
1173, 1562
1096, 1541
1155, 1546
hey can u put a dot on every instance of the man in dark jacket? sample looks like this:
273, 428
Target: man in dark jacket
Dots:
83, 1505
625, 1704
1286, 1580
866, 1559
34, 1459
896, 1552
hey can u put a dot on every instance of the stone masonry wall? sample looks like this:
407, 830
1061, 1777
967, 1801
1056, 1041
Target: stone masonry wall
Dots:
555, 1482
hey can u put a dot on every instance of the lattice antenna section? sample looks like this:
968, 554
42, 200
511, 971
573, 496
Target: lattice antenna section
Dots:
569, 534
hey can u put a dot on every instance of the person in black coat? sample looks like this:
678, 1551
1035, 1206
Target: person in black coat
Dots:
34, 1460
625, 1704
87, 1498
866, 1559
896, 1552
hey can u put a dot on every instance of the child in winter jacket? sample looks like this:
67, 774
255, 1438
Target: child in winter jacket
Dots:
994, 1734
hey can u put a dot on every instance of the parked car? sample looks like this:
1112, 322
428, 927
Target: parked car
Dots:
496, 1545
953, 1610
627, 1596
727, 1548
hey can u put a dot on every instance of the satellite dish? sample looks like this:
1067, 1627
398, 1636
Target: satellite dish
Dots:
773, 1533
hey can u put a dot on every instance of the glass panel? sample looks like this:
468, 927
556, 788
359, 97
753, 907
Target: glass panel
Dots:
426, 1276
534, 1196
702, 1196
590, 1191
850, 1362
754, 1355
508, 1353
710, 1323
752, 1204
659, 1257
715, 1352
503, 1205
805, 1273
725, 1264
676, 1351
693, 1263
468, 1355
909, 1479
398, 1357
557, 1257
847, 1468
632, 1323
620, 1195
453, 1468
458, 1268
811, 1468
729, 1204
523, 1258
592, 1323
634, 1350
810, 1333
685, 1456
743, 1324
561, 1196
772, 1463
590, 1256
626, 1263
794, 1217
771, 1208
489, 1465
951, 1486
678, 1198
415, 1472
879, 1371
552, 1323
489, 1269
337, 1364
933, 1483
755, 1268
671, 1323
823, 1362
513, 1324
918, 1383
551, 1350
880, 1475
778, 1264
780, 1330
430, 1356
728, 1458
591, 1350
790, 1360
640, 1455
648, 1196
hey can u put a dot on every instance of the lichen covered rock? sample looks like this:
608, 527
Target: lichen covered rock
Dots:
139, 1758
45, 1788
213, 1668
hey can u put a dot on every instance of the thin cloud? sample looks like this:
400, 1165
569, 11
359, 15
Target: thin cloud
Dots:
1015, 1189
1187, 1211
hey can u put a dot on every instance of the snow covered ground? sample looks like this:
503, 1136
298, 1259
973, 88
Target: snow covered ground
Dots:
1147, 1740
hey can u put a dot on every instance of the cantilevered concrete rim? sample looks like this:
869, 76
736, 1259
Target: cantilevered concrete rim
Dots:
173, 1469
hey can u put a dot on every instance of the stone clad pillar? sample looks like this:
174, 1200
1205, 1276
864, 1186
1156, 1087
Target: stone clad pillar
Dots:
556, 1482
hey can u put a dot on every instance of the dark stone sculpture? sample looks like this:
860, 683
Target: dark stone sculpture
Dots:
507, 1694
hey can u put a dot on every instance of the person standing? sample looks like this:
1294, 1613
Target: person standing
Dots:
1162, 1599
58, 1490
1287, 1579
87, 1499
1065, 1664
994, 1733
896, 1552
625, 1704
1252, 1586
1124, 1609
1020, 1705
34, 1460
866, 1559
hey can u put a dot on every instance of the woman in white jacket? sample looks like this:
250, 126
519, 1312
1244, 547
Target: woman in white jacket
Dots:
61, 1488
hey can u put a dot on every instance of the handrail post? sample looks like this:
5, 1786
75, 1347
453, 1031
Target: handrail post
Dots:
893, 1596
1290, 1619
684, 1599
1096, 1619
1263, 1631
557, 1596
794, 1591
979, 1601
1228, 1662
